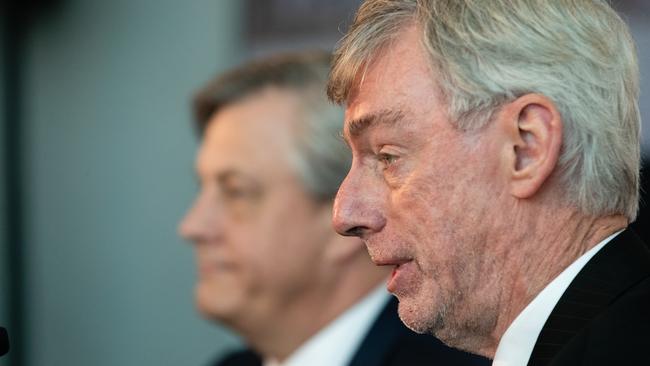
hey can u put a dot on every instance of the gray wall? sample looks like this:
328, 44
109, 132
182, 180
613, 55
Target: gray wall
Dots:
109, 154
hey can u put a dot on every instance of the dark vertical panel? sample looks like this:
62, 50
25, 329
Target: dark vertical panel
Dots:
14, 36
17, 15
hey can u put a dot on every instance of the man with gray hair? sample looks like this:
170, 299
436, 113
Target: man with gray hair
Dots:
270, 265
495, 167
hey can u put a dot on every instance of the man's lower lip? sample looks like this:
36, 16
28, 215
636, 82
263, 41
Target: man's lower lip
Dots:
398, 277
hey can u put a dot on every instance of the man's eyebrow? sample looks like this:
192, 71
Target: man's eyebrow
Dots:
227, 175
385, 117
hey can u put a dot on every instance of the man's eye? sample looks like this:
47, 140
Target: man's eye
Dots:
386, 159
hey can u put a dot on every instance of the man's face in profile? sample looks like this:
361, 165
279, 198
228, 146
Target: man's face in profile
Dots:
258, 235
420, 192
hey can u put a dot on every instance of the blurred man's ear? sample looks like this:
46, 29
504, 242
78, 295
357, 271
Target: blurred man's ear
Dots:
532, 130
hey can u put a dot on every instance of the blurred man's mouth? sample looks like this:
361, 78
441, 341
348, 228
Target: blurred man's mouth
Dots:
210, 269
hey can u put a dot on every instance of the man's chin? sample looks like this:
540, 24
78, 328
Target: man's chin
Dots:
416, 319
439, 324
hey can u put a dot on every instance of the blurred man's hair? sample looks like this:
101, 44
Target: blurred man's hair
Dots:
321, 160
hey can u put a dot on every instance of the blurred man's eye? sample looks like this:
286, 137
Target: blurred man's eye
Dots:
240, 200
238, 193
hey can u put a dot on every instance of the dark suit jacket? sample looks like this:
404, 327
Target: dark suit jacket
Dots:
604, 316
388, 343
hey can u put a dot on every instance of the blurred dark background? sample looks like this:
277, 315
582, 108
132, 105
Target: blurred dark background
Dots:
96, 162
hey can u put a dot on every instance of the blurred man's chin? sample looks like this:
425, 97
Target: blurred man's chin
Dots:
210, 303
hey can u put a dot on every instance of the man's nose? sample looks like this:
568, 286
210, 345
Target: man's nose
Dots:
203, 221
358, 208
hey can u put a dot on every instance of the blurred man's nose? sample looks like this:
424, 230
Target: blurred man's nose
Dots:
202, 221
357, 208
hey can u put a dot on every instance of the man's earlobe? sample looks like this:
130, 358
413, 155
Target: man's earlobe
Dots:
536, 138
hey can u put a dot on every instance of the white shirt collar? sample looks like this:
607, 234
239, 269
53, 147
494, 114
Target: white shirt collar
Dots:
517, 343
336, 343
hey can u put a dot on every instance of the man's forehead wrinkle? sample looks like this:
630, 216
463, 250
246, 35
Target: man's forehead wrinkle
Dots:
363, 75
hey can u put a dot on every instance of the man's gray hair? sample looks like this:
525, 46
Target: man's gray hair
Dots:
321, 159
578, 53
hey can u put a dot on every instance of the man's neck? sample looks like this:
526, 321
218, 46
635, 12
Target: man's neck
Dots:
553, 249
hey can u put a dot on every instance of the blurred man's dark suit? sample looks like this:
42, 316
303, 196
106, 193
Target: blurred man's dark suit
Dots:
604, 316
388, 343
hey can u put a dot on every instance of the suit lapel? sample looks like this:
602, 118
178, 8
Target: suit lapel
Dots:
616, 267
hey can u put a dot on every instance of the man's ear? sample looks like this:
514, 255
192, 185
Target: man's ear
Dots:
532, 128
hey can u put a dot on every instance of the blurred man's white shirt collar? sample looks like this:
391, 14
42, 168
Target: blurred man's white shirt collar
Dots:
336, 344
518, 341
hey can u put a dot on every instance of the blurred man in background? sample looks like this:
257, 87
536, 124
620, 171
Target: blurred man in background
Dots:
270, 266
496, 167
